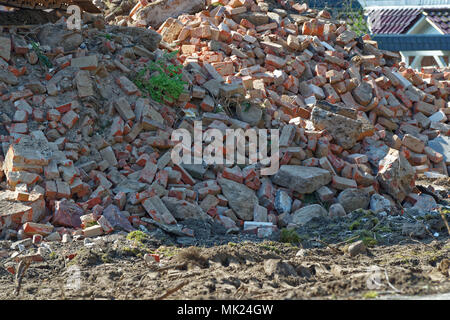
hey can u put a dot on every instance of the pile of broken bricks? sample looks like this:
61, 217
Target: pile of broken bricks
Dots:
85, 153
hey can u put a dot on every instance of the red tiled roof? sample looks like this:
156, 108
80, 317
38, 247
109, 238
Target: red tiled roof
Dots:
440, 17
387, 21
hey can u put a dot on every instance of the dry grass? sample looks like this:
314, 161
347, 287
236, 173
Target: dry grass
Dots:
192, 256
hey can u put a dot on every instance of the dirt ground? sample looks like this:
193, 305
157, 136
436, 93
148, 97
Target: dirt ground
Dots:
407, 256
113, 268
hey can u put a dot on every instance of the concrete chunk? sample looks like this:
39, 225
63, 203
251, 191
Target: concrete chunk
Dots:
302, 179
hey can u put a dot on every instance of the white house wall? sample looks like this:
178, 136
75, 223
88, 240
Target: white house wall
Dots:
423, 26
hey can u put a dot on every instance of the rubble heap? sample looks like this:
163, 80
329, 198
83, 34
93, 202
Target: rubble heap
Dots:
86, 153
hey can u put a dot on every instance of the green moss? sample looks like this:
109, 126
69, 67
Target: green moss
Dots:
370, 295
269, 245
137, 236
91, 224
355, 225
367, 213
167, 252
131, 251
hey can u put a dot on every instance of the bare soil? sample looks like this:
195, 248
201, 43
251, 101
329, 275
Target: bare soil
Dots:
216, 265
114, 268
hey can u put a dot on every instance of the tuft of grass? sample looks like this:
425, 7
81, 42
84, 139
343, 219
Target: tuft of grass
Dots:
369, 242
161, 80
289, 236
192, 255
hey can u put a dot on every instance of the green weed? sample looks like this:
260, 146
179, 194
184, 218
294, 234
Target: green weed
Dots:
161, 80
289, 236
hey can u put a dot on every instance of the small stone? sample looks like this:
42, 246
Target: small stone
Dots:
356, 248
273, 267
352, 199
378, 203
283, 202
66, 238
54, 236
93, 231
301, 179
416, 230
306, 214
240, 198
336, 210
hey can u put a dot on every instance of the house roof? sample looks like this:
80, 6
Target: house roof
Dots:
397, 21
405, 42
392, 21
440, 17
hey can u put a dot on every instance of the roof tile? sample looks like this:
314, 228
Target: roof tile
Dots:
440, 18
390, 21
